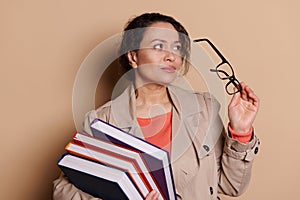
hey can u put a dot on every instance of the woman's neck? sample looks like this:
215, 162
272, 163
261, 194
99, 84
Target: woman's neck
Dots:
152, 94
152, 100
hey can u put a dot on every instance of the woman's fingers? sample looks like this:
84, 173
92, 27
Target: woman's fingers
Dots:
251, 96
248, 95
153, 195
243, 91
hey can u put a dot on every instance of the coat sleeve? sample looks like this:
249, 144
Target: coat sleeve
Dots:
235, 162
234, 159
62, 188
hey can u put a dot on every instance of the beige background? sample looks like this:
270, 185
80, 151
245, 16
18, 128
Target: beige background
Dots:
44, 42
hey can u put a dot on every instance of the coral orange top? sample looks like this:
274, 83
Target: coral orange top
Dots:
243, 138
158, 130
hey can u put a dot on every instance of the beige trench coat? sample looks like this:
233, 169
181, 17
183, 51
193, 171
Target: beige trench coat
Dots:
205, 161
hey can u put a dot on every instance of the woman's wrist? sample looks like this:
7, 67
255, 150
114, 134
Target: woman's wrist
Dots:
242, 137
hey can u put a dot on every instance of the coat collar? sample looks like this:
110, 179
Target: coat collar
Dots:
185, 117
124, 109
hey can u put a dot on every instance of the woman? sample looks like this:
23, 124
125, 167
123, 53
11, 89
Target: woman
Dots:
176, 119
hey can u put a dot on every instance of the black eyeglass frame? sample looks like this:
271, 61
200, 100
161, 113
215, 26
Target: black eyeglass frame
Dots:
232, 79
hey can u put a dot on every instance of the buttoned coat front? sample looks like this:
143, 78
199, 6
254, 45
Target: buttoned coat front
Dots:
205, 160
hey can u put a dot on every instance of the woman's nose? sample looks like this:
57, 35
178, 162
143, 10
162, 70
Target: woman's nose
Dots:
170, 56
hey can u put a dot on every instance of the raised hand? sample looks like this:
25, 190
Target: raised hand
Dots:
242, 109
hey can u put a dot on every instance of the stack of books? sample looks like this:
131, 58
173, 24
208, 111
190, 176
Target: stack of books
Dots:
117, 165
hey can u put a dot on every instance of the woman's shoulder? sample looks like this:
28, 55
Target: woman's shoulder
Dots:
203, 97
191, 101
103, 111
207, 97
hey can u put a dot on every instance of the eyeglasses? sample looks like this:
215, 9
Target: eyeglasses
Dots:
224, 70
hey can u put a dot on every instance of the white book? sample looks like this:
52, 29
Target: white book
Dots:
98, 180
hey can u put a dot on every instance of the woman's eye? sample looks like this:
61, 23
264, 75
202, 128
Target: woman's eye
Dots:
158, 46
177, 48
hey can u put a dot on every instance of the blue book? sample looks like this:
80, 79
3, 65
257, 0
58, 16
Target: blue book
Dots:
157, 159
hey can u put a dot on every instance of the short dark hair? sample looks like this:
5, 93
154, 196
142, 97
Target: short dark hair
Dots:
131, 39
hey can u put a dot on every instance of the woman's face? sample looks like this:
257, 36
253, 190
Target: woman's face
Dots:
159, 56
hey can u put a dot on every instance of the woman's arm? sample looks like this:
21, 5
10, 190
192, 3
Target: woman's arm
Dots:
63, 189
236, 158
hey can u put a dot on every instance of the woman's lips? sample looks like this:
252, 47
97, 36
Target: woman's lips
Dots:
169, 69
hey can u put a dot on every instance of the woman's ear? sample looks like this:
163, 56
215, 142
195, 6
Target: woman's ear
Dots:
132, 58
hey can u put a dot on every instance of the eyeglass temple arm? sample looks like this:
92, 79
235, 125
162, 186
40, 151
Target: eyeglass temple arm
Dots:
212, 46
231, 78
218, 70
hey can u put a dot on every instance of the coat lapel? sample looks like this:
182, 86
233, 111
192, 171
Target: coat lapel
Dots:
124, 114
189, 120
185, 122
